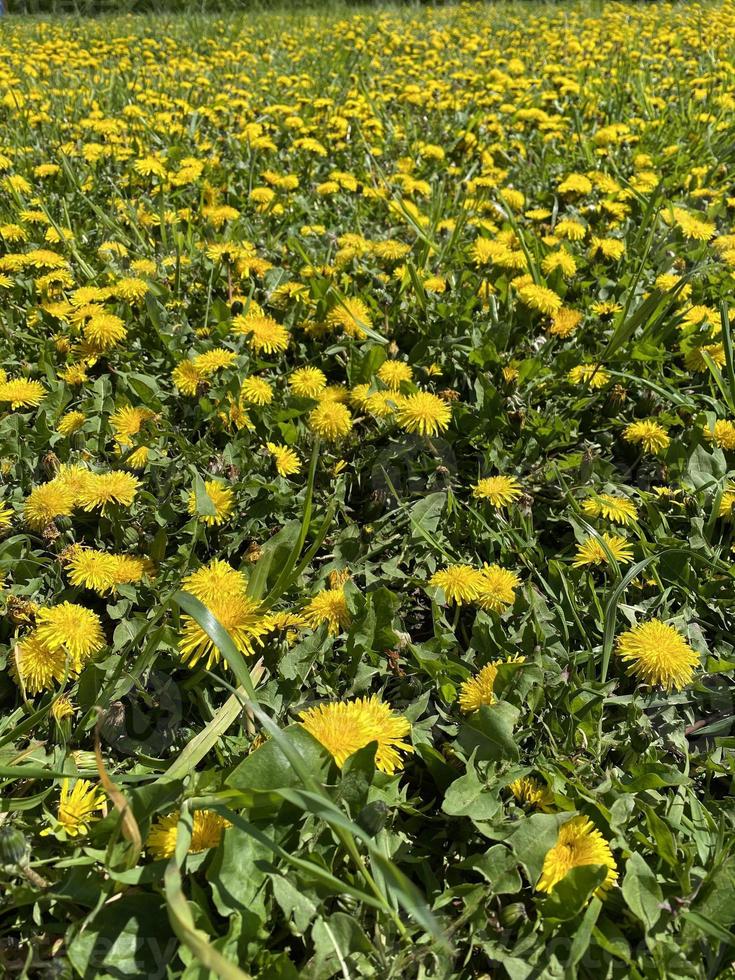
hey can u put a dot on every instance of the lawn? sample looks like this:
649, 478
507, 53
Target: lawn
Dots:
367, 469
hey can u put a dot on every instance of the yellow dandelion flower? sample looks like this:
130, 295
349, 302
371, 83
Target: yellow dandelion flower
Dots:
500, 491
424, 413
540, 298
328, 606
578, 844
479, 690
99, 490
6, 517
658, 654
130, 289
459, 583
223, 501
256, 391
648, 434
47, 502
127, 422
497, 588
72, 628
214, 360
591, 552
89, 569
727, 501
265, 335
22, 393
187, 378
62, 708
239, 615
207, 828
344, 727
105, 330
308, 382
620, 510
722, 434
395, 373
531, 792
331, 420
564, 322
588, 374
287, 462
37, 666
70, 423
79, 805
215, 580
351, 315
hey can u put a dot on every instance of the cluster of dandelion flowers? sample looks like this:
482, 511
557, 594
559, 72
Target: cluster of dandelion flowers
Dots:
578, 845
207, 828
331, 420
328, 606
424, 413
658, 654
79, 806
101, 571
647, 433
344, 727
242, 618
499, 491
223, 501
480, 690
592, 552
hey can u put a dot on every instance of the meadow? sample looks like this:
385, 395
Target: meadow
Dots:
367, 470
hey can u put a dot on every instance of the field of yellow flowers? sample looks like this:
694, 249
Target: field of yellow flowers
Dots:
367, 468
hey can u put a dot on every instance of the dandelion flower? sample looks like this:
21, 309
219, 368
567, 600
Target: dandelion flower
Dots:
352, 315
591, 552
578, 845
239, 615
37, 666
591, 375
307, 382
459, 583
331, 420
564, 322
497, 490
62, 708
79, 805
394, 373
424, 413
287, 462
727, 501
6, 517
328, 606
658, 654
345, 727
187, 378
620, 510
70, 423
214, 360
207, 828
105, 330
223, 501
256, 391
47, 502
497, 588
22, 393
722, 434
532, 792
647, 433
265, 334
215, 581
540, 298
91, 569
71, 628
479, 690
